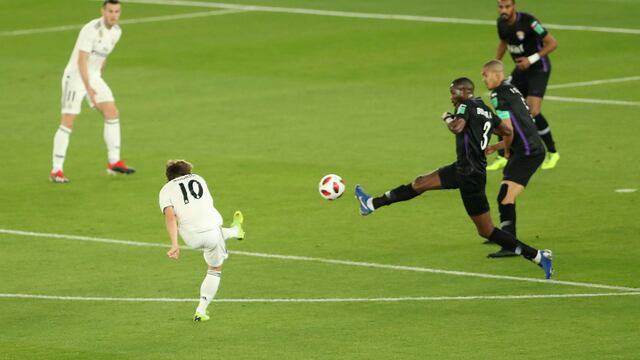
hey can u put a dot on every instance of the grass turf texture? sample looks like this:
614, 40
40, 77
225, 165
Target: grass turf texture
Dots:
265, 104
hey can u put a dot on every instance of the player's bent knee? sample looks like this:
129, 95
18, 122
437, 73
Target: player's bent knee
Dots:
68, 120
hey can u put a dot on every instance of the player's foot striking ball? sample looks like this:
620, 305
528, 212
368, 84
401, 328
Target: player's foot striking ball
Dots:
472, 123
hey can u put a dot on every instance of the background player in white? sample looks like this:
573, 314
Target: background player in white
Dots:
83, 78
188, 209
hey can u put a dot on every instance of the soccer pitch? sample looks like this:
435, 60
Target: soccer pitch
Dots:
266, 100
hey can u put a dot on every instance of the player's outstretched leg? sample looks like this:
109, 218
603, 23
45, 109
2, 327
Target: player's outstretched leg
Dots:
542, 258
369, 204
208, 291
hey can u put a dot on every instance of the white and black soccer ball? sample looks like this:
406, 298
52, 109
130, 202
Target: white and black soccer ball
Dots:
331, 187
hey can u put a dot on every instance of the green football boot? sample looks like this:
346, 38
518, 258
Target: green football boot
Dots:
497, 164
238, 219
550, 161
201, 317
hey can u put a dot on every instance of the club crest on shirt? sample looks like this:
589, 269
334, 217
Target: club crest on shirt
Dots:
520, 35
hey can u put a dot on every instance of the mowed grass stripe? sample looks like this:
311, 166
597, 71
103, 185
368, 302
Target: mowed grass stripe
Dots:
329, 261
361, 15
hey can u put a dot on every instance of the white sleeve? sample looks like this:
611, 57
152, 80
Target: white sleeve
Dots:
85, 39
165, 199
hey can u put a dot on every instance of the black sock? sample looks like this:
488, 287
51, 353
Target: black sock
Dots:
545, 132
501, 151
401, 193
510, 243
508, 218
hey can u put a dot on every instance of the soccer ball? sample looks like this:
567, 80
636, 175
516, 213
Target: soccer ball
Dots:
331, 187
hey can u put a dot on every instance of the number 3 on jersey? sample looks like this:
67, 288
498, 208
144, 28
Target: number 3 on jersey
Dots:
485, 136
192, 189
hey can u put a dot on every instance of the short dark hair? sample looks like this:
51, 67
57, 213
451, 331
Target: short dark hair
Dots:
463, 83
177, 168
113, 2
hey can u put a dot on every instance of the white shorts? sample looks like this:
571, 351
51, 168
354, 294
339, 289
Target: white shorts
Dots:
73, 92
211, 241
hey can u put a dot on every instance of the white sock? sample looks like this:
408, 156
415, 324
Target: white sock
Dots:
230, 233
370, 203
60, 144
208, 290
112, 139
538, 257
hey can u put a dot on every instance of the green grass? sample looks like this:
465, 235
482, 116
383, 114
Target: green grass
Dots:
264, 105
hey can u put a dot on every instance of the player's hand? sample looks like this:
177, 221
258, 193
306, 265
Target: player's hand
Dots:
92, 96
523, 63
507, 153
174, 252
447, 117
456, 126
490, 149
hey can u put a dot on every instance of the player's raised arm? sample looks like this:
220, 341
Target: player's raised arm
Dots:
172, 229
83, 59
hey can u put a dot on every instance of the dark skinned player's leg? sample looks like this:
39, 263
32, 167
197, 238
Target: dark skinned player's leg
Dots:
487, 230
421, 184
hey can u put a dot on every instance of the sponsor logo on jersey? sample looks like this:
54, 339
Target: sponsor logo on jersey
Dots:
516, 49
483, 112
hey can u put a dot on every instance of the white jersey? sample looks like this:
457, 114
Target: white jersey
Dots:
192, 203
98, 41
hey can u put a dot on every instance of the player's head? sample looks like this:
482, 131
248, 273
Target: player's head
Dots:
461, 89
493, 74
177, 168
111, 12
507, 9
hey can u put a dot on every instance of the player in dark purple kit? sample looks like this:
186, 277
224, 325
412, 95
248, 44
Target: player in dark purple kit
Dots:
529, 44
472, 124
524, 149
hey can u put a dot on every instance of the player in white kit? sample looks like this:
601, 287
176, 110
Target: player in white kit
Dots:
83, 79
188, 209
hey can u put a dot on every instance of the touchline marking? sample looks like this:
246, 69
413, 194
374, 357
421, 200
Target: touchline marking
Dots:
592, 101
626, 190
593, 82
327, 261
321, 300
125, 22
360, 15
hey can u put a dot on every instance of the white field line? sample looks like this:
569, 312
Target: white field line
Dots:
626, 191
593, 82
322, 300
360, 15
332, 261
592, 101
125, 22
